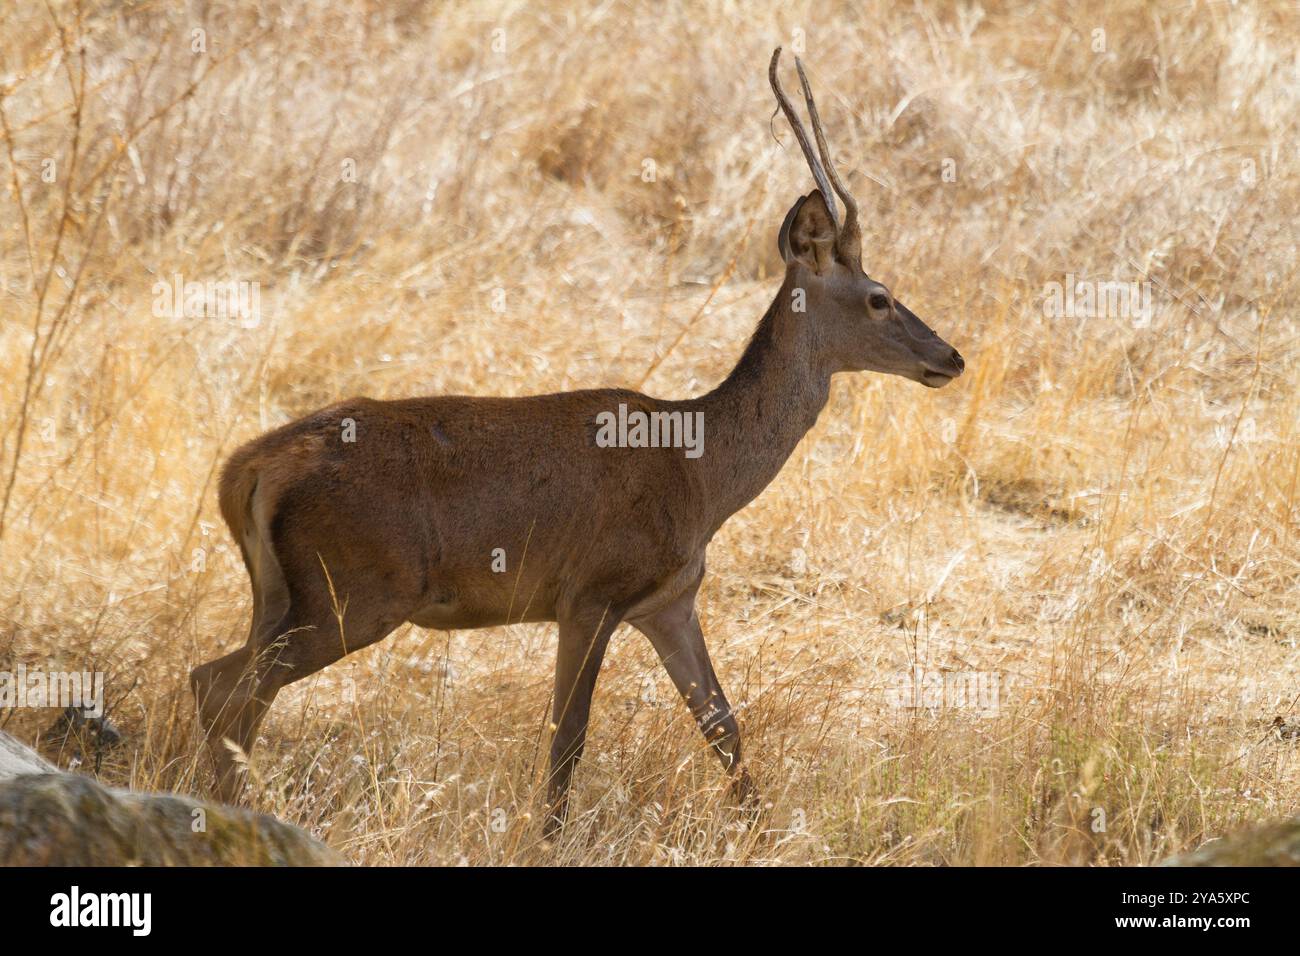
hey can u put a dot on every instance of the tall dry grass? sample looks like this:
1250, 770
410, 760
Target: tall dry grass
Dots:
1099, 520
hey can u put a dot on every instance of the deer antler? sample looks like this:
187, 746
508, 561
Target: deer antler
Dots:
801, 134
850, 238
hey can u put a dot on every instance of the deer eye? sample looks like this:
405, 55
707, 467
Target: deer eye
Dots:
878, 301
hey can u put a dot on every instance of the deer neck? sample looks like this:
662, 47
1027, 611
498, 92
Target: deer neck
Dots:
754, 420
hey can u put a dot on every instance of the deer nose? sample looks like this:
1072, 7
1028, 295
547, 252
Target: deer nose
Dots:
957, 361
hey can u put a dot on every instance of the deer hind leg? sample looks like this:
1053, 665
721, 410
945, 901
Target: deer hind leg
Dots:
234, 692
304, 619
679, 641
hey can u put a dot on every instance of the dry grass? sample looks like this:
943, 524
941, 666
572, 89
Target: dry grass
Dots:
1101, 516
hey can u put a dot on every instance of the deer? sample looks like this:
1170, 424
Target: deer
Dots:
346, 540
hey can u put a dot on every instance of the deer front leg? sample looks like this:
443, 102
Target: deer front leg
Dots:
584, 636
679, 641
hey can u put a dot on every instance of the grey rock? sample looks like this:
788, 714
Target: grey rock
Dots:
1273, 844
17, 759
52, 818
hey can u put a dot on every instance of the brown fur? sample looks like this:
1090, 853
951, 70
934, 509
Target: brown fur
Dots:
345, 540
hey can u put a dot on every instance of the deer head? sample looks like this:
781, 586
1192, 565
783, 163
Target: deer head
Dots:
860, 325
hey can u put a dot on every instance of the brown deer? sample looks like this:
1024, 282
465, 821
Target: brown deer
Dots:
368, 514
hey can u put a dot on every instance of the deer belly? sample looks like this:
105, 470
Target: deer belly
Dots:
481, 603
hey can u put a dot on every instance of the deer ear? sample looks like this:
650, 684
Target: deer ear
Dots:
808, 234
